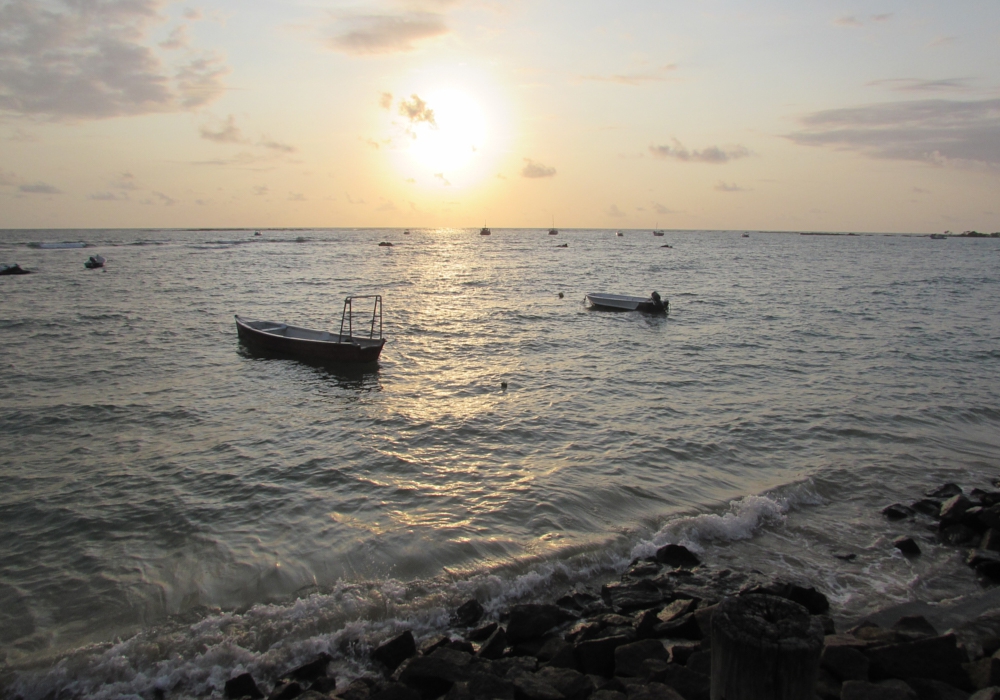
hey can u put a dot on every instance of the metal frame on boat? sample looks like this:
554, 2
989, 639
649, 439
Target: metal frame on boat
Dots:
282, 338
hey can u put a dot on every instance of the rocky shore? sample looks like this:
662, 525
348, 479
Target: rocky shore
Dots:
657, 633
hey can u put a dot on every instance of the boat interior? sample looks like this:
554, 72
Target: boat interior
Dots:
287, 331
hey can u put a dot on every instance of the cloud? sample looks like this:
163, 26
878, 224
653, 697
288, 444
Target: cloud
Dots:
883, 17
917, 85
385, 100
166, 200
7, 178
387, 205
227, 132
848, 21
192, 13
266, 142
39, 188
939, 132
443, 179
657, 75
68, 59
125, 181
614, 212
261, 190
108, 197
711, 154
365, 35
532, 169
416, 111
725, 187
296, 197
660, 209
943, 41
178, 39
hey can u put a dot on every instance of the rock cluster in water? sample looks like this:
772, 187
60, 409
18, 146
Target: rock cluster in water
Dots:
648, 637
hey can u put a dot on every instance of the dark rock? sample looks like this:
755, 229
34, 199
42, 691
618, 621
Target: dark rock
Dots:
242, 686
990, 517
863, 690
597, 656
984, 672
433, 675
958, 534
691, 685
460, 645
897, 511
585, 629
530, 621
915, 626
511, 666
700, 662
572, 684
676, 609
395, 691
313, 695
986, 694
654, 691
645, 622
845, 556
845, 663
809, 598
953, 510
677, 555
429, 646
324, 684
360, 689
285, 691
553, 647
927, 689
945, 491
564, 658
640, 569
627, 597
629, 657
482, 633
704, 618
972, 518
937, 658
395, 651
991, 540
907, 546
529, 687
928, 506
608, 695
685, 627
494, 647
312, 670
484, 686
985, 562
469, 613
985, 498
578, 600
827, 686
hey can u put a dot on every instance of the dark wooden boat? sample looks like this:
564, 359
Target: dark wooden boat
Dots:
342, 347
623, 302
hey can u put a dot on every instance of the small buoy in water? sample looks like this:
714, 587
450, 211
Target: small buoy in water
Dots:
503, 386
560, 295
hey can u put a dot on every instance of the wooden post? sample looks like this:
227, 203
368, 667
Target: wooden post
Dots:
764, 648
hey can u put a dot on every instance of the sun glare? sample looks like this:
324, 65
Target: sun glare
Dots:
453, 139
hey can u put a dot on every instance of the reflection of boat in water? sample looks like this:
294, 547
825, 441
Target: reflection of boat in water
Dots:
307, 343
623, 302
94, 262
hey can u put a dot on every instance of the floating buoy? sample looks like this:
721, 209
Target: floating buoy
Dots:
503, 386
560, 295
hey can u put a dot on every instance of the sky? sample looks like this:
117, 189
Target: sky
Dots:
877, 116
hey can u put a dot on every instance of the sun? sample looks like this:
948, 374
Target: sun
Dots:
456, 132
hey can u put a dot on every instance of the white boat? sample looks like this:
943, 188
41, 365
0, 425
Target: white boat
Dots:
623, 302
94, 262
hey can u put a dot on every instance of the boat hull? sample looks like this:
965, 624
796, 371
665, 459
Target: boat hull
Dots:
307, 343
622, 302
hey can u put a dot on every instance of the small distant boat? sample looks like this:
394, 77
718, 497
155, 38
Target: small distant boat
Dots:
938, 236
553, 231
13, 269
94, 262
622, 302
656, 230
745, 235
666, 245
484, 231
406, 232
386, 244
256, 233
312, 344
564, 245
657, 233
619, 233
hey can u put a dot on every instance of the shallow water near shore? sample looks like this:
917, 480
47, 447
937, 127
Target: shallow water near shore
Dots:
176, 506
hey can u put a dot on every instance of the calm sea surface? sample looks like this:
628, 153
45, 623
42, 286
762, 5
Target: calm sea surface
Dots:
174, 506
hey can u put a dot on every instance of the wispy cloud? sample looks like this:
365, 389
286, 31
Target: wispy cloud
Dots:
939, 132
657, 75
727, 187
109, 197
7, 178
709, 154
365, 35
385, 100
533, 169
226, 132
885, 17
273, 145
443, 179
848, 21
660, 209
943, 41
39, 188
66, 59
416, 111
178, 39
919, 85
614, 212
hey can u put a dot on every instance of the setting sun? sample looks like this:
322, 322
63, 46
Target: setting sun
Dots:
456, 136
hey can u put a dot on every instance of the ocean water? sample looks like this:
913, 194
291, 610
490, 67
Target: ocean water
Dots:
175, 507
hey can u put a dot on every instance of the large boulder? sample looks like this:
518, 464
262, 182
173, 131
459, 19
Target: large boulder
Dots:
937, 658
597, 656
628, 597
531, 621
890, 690
242, 685
677, 555
395, 651
629, 657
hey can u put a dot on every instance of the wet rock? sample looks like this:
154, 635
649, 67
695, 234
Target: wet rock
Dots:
628, 597
827, 687
684, 627
972, 518
897, 511
907, 546
285, 691
629, 657
704, 616
360, 689
845, 663
313, 695
990, 517
991, 540
927, 506
642, 568
608, 695
953, 510
986, 694
433, 675
845, 556
429, 646
578, 600
469, 613
572, 684
927, 689
242, 686
395, 691
531, 621
863, 690
985, 562
985, 498
324, 684
937, 658
809, 598
494, 647
700, 662
945, 491
395, 651
532, 688
984, 672
691, 685
654, 691
482, 633
958, 534
915, 627
677, 555
597, 656
309, 672
482, 686
677, 609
